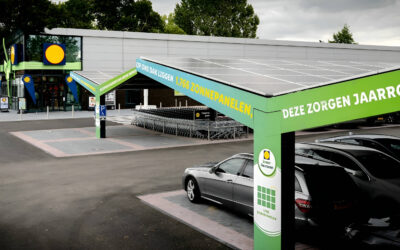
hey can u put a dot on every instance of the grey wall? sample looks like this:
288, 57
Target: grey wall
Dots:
116, 50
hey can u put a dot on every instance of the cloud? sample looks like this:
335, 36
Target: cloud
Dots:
371, 21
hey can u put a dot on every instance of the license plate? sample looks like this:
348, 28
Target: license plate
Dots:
341, 206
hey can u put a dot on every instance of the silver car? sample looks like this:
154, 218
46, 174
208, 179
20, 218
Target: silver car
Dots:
318, 199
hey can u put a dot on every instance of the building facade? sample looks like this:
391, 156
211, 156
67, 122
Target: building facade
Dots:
103, 51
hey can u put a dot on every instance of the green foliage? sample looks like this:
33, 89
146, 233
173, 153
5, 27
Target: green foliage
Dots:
74, 14
27, 16
228, 18
127, 15
343, 36
170, 25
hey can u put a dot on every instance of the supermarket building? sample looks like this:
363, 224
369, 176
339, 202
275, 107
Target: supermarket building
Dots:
101, 55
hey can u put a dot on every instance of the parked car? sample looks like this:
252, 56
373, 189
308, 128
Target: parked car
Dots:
376, 174
378, 234
385, 143
318, 198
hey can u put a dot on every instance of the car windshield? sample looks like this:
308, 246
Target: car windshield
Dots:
378, 164
391, 144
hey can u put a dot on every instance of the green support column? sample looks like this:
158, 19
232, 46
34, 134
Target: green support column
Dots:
97, 116
269, 200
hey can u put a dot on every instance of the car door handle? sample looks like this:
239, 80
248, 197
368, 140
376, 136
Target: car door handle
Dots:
228, 180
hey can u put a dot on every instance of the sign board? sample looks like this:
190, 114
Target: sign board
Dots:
92, 101
110, 98
22, 103
103, 111
4, 103
177, 93
202, 114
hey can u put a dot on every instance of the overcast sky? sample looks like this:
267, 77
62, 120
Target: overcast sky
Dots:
375, 22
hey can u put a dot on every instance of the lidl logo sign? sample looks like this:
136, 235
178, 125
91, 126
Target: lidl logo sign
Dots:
266, 162
53, 54
266, 197
14, 54
267, 155
27, 79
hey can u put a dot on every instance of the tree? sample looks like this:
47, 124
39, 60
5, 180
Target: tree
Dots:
343, 36
27, 16
74, 14
170, 25
127, 15
229, 18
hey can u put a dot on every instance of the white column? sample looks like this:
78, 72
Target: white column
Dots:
146, 97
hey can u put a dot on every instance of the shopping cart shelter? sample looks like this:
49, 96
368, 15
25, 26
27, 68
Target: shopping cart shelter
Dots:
276, 98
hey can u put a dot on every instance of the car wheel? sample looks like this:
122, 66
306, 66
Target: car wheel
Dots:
192, 190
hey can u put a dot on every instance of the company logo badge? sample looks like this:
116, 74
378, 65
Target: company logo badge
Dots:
27, 79
266, 162
54, 54
12, 54
69, 79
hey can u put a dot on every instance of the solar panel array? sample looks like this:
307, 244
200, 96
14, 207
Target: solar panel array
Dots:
98, 76
275, 77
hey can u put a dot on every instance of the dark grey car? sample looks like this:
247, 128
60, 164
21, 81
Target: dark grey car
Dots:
375, 173
317, 198
385, 143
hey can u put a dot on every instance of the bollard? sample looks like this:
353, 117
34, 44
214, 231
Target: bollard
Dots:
186, 102
73, 108
47, 112
160, 104
180, 104
119, 108
176, 102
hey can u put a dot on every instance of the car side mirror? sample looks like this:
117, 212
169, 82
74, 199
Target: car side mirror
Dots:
212, 170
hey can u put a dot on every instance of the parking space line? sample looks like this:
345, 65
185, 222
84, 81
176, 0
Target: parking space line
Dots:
47, 148
199, 222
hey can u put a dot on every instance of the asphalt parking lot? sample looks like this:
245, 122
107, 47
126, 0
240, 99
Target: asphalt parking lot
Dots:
90, 202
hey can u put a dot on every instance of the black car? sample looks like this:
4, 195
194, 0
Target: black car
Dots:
376, 174
385, 143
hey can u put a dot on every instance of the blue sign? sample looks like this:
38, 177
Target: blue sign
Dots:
103, 111
72, 86
28, 82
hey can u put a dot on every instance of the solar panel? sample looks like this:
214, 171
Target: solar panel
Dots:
275, 77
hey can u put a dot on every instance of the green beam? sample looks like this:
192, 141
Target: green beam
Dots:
116, 81
354, 99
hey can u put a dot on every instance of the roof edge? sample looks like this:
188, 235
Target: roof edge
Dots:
210, 39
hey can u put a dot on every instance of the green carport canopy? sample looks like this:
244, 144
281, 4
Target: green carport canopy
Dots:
276, 98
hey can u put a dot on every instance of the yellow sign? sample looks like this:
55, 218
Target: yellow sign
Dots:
12, 54
266, 155
54, 54
27, 79
69, 79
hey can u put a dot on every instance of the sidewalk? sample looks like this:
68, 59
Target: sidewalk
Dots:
13, 116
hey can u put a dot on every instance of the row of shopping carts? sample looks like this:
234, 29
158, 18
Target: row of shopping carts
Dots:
204, 129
